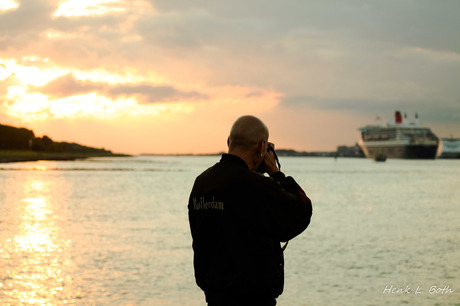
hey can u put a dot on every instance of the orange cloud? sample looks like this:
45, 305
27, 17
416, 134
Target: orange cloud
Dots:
144, 93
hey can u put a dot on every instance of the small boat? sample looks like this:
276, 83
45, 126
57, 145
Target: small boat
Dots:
449, 148
380, 157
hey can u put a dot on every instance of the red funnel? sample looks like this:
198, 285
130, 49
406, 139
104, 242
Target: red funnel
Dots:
398, 117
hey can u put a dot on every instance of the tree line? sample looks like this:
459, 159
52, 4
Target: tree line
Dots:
13, 138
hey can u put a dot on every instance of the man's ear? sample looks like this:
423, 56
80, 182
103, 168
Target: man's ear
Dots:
262, 147
228, 141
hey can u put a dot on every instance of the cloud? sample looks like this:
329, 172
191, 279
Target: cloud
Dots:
67, 86
30, 15
370, 107
328, 56
333, 50
5, 83
149, 94
402, 22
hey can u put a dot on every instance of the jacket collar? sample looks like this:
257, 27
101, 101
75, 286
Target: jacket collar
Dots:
234, 159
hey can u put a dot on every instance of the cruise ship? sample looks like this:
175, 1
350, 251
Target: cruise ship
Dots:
399, 139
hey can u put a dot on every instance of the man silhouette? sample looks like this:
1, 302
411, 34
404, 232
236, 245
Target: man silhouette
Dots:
238, 218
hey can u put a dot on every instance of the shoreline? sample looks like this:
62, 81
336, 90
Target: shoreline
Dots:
14, 156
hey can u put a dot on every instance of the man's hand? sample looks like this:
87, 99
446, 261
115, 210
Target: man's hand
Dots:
270, 161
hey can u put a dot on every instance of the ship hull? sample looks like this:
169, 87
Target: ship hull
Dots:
403, 151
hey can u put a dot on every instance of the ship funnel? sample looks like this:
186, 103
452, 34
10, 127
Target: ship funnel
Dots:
398, 117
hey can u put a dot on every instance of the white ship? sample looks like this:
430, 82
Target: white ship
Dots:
399, 139
449, 148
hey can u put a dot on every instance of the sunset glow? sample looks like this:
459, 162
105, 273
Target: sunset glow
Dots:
162, 69
74, 8
6, 5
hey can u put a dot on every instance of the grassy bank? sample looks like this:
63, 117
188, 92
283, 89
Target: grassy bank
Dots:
8, 156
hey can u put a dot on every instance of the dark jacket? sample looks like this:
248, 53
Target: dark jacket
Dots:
238, 218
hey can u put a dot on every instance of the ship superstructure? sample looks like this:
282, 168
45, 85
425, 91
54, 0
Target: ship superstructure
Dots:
399, 139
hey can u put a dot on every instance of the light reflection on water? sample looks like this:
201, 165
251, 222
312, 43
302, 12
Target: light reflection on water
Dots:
36, 265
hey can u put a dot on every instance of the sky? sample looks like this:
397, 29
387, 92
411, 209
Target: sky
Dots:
171, 76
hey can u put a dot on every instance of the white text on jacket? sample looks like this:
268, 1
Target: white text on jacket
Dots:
202, 204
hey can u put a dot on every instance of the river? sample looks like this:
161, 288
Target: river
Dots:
114, 231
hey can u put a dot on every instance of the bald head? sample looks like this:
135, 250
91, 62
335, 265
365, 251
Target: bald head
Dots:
246, 133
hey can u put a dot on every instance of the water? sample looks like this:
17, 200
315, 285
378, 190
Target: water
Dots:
114, 231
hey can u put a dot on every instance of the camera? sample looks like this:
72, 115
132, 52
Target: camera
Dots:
262, 168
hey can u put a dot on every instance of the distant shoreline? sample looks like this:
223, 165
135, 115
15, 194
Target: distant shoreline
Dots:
12, 156
280, 152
